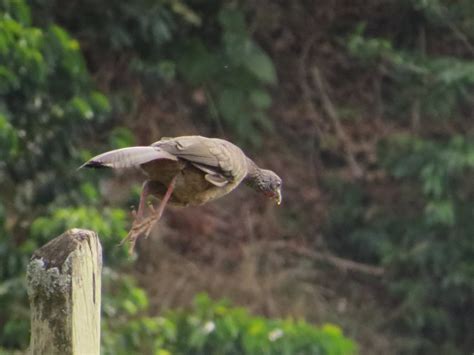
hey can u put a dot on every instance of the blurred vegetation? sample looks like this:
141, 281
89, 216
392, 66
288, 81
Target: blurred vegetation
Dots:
417, 222
424, 235
217, 328
49, 107
47, 100
209, 46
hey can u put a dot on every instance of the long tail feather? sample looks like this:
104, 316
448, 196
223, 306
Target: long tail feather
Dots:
128, 157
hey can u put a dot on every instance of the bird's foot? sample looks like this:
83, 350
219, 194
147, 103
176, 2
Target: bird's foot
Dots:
144, 225
131, 239
139, 227
133, 212
152, 208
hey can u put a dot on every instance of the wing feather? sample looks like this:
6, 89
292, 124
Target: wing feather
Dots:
190, 148
128, 157
220, 156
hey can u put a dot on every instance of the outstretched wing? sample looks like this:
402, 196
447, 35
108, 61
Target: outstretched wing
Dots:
128, 157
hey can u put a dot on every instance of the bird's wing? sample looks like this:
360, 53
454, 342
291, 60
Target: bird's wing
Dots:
128, 157
220, 160
212, 176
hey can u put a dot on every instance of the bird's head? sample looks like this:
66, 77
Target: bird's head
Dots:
269, 184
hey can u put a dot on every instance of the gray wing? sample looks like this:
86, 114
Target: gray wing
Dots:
193, 150
220, 160
128, 157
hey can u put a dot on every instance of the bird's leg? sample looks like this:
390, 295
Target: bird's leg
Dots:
143, 197
146, 190
144, 226
150, 221
151, 208
138, 216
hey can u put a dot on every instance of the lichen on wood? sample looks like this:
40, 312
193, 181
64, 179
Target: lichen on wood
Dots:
64, 290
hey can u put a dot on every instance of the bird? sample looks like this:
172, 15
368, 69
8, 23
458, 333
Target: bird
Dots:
187, 171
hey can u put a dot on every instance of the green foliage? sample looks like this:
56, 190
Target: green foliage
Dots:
217, 328
48, 107
440, 168
208, 47
8, 138
423, 234
423, 237
233, 74
45, 93
438, 85
47, 103
432, 265
109, 223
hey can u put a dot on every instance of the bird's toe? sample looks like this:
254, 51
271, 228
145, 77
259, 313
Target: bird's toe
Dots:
152, 208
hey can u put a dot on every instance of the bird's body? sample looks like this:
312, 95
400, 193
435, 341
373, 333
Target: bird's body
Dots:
190, 170
206, 169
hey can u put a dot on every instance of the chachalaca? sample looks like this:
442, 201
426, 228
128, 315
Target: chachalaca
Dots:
186, 171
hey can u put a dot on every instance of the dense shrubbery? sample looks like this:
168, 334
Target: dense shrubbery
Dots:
47, 103
207, 46
217, 328
424, 234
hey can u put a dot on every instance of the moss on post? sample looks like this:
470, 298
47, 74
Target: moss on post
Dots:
64, 282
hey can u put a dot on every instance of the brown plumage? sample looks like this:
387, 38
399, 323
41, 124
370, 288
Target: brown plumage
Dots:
187, 170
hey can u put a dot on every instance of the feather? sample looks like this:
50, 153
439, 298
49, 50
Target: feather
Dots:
217, 155
188, 149
128, 157
216, 179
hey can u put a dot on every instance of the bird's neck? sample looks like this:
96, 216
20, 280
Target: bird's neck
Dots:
254, 175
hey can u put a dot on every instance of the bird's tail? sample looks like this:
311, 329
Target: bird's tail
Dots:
128, 157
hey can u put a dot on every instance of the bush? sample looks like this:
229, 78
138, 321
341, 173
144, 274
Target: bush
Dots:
47, 105
209, 47
419, 225
217, 328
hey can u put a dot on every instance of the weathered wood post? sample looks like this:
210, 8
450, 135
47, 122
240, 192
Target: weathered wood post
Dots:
64, 282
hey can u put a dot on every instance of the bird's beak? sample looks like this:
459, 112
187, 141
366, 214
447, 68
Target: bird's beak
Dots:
278, 197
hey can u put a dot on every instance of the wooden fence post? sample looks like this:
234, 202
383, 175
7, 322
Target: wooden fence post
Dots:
64, 284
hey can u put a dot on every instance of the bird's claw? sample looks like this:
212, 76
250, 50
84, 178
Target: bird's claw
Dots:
145, 226
142, 227
152, 208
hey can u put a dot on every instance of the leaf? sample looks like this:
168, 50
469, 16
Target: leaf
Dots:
121, 137
186, 12
167, 69
8, 80
260, 99
18, 10
82, 107
8, 139
100, 102
440, 212
230, 102
232, 20
197, 64
260, 64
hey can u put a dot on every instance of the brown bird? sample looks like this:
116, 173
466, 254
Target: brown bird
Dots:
187, 171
